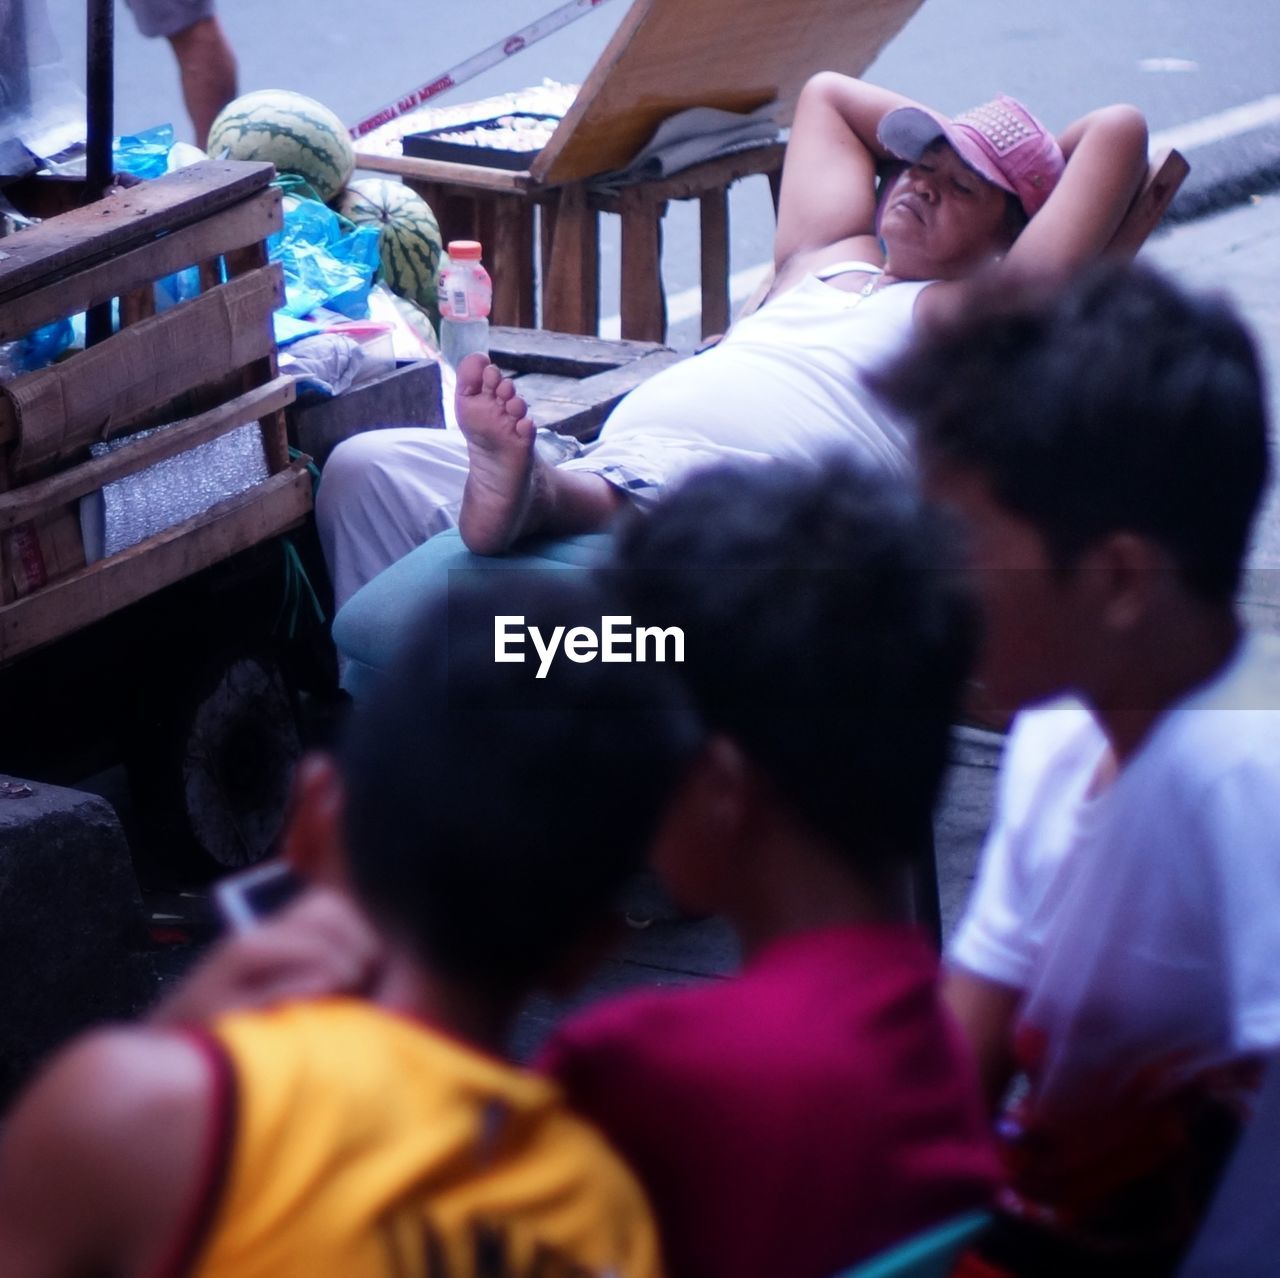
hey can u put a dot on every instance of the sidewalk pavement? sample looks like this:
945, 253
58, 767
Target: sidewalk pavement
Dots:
1238, 252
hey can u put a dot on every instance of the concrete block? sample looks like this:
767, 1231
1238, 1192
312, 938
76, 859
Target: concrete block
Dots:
72, 930
964, 815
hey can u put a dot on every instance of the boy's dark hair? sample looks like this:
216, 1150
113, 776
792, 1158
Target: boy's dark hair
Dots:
825, 634
1119, 403
493, 816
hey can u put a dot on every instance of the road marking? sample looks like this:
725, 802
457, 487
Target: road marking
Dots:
687, 304
1167, 64
1214, 128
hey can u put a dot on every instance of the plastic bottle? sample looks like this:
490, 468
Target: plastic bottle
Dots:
466, 293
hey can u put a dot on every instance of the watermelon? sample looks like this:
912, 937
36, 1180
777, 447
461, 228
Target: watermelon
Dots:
296, 133
417, 318
409, 243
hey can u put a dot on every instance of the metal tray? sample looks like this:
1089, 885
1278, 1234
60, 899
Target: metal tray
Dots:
430, 146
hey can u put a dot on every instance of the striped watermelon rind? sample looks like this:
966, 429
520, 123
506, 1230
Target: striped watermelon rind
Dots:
294, 132
409, 245
418, 320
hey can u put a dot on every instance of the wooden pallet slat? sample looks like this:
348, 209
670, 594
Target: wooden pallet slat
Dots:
125, 220
264, 511
103, 391
243, 224
579, 408
562, 354
23, 503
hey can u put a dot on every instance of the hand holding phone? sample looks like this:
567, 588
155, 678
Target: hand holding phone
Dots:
244, 900
319, 944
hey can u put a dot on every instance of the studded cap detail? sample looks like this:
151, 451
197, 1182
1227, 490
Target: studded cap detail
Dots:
997, 124
1000, 140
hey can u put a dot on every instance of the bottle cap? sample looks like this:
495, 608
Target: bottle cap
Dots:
464, 250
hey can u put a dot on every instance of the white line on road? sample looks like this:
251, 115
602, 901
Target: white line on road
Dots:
687, 304
1214, 128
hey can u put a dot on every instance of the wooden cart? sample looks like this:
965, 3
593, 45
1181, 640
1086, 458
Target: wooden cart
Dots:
666, 56
207, 363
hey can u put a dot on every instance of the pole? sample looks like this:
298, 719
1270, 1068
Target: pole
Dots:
100, 90
470, 67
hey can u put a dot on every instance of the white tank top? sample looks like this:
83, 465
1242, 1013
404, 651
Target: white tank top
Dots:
785, 381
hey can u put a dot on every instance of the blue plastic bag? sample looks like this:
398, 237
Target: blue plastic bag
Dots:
145, 154
359, 250
40, 348
322, 265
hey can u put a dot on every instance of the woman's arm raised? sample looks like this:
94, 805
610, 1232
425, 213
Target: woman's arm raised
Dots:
1106, 154
829, 177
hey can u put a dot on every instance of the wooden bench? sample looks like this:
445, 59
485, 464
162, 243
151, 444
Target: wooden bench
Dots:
207, 363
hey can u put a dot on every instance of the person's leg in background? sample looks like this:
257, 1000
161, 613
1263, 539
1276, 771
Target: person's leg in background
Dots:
206, 63
207, 67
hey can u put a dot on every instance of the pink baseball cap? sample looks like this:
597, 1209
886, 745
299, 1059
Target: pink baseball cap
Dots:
1000, 140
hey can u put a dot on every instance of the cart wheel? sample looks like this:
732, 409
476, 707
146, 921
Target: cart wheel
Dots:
213, 766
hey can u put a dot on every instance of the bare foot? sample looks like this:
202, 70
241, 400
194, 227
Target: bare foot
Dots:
499, 435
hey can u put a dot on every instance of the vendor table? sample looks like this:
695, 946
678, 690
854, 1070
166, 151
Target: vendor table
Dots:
497, 208
665, 57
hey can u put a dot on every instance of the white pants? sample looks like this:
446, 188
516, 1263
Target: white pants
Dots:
383, 493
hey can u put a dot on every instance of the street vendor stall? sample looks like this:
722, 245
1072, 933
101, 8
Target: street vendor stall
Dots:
130, 469
199, 371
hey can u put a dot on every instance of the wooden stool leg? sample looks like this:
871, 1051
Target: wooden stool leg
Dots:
775, 186
511, 257
570, 280
713, 214
517, 232
643, 305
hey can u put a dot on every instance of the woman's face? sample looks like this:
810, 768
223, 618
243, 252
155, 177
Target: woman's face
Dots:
942, 221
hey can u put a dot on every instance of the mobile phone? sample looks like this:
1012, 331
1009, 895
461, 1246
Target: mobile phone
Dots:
244, 900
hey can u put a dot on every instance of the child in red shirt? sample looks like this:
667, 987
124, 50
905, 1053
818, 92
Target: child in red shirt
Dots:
820, 1106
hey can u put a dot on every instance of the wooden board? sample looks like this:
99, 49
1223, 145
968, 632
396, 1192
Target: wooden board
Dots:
64, 606
668, 55
572, 383
124, 220
247, 222
1165, 175
408, 396
537, 350
67, 485
102, 391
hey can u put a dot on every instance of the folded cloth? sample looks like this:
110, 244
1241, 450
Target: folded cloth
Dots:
325, 364
690, 137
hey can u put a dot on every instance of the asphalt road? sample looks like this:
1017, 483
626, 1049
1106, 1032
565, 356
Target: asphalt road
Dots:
1213, 69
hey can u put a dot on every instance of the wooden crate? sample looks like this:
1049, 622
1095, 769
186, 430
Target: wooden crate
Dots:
209, 361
